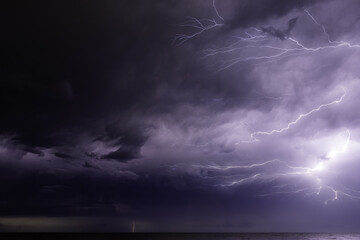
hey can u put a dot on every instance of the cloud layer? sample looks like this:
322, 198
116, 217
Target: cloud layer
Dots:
106, 113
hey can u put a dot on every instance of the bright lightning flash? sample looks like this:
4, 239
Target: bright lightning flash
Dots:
247, 174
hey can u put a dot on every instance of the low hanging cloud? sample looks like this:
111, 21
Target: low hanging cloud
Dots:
251, 123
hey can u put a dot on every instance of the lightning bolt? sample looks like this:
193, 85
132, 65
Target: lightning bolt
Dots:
333, 153
199, 26
216, 11
239, 167
301, 116
339, 43
242, 181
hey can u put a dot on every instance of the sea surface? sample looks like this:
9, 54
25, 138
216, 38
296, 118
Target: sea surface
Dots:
181, 236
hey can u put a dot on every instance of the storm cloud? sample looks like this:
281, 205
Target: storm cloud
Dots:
179, 115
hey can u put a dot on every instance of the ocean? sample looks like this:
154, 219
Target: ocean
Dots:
182, 236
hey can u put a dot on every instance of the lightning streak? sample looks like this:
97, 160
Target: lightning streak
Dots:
322, 26
199, 25
340, 43
216, 11
241, 181
239, 167
333, 153
335, 192
301, 116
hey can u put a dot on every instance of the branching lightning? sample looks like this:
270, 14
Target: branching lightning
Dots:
261, 46
198, 26
272, 51
253, 173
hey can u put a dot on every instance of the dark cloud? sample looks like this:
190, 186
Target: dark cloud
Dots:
66, 75
250, 13
124, 154
33, 150
62, 155
87, 164
103, 117
281, 34
128, 139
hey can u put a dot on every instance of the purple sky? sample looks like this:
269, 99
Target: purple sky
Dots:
180, 115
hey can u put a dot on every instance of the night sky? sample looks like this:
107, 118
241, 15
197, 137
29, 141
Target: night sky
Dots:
180, 115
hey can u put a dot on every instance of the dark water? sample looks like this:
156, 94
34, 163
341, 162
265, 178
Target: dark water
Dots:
181, 236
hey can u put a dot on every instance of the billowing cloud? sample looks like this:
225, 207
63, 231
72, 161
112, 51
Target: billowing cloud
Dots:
226, 115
